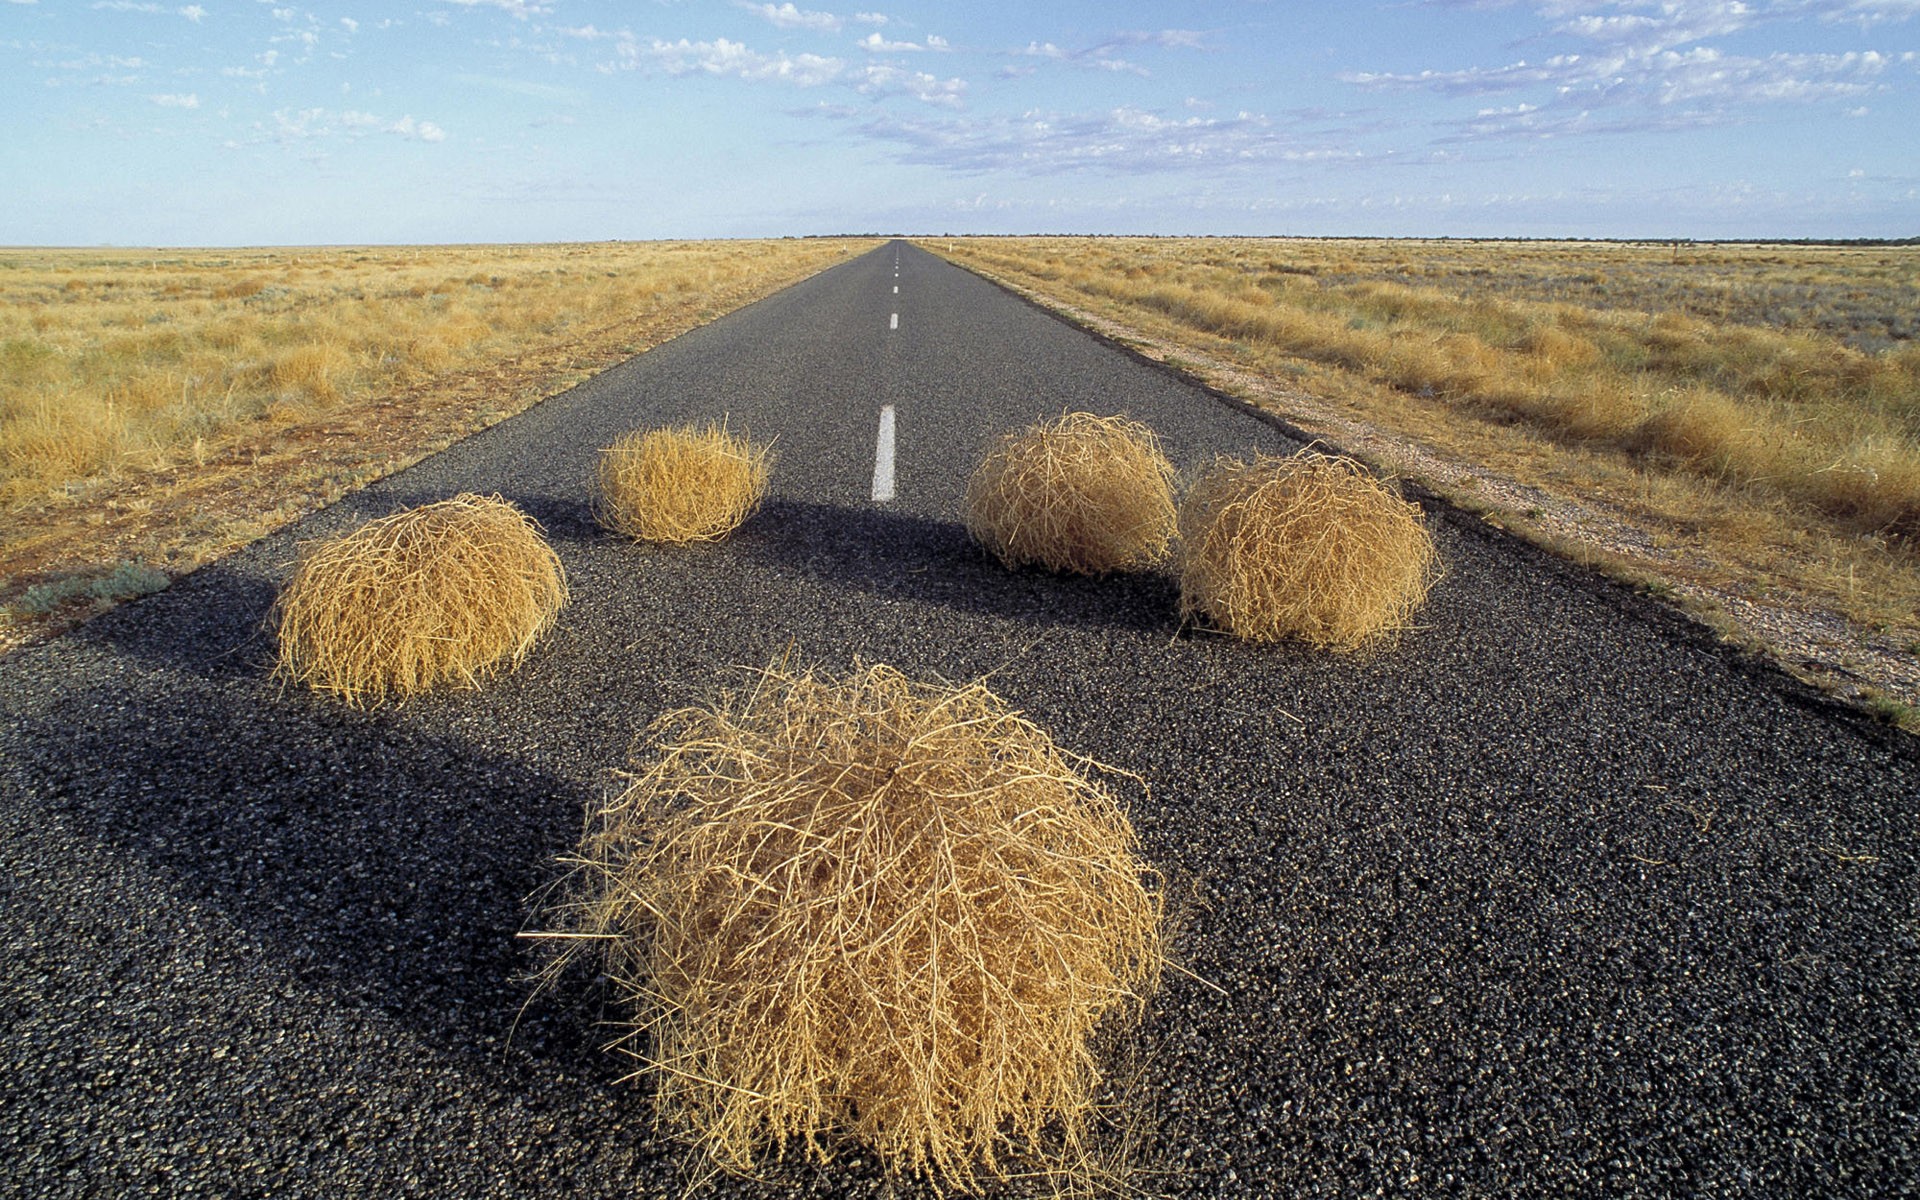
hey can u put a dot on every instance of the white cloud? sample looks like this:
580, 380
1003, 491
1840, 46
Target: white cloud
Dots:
1642, 66
787, 16
192, 12
729, 58
425, 131
878, 79
1120, 141
871, 18
518, 9
1103, 57
875, 43
1868, 12
176, 100
526, 87
94, 62
309, 124
349, 24
1666, 77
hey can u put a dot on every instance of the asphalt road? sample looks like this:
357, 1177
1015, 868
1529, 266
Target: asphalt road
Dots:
1557, 897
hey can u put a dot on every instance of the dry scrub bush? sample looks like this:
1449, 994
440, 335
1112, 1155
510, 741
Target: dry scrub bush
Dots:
441, 593
869, 907
1310, 547
1082, 493
680, 485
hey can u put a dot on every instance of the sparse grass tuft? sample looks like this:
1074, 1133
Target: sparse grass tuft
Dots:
680, 485
873, 908
1082, 494
1893, 711
1309, 547
127, 581
442, 593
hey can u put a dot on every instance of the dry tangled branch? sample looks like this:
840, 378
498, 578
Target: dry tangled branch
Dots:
443, 593
680, 485
874, 908
1310, 547
1081, 493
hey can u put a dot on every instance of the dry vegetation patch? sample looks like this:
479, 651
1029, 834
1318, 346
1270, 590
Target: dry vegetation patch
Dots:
680, 485
1309, 547
869, 907
162, 407
1082, 493
1747, 417
445, 593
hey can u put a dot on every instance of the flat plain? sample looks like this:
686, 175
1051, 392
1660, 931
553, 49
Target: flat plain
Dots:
1557, 895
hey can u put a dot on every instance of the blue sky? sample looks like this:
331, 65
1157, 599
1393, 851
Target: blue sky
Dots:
142, 122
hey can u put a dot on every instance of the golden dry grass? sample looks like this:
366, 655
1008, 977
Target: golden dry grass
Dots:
872, 908
114, 363
445, 593
680, 485
1821, 422
1082, 493
1758, 406
1308, 547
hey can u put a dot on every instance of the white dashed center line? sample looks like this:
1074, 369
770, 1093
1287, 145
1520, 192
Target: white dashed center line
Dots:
883, 457
893, 322
896, 289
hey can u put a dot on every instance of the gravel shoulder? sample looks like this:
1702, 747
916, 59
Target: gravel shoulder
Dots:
1557, 897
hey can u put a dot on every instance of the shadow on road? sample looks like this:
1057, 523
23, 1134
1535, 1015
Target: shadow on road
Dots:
886, 552
210, 624
383, 865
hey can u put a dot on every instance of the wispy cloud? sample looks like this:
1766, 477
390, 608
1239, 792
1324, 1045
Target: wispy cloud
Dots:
519, 9
305, 124
192, 12
788, 16
878, 43
879, 79
728, 58
176, 100
1120, 141
1643, 67
1105, 55
525, 87
1869, 12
